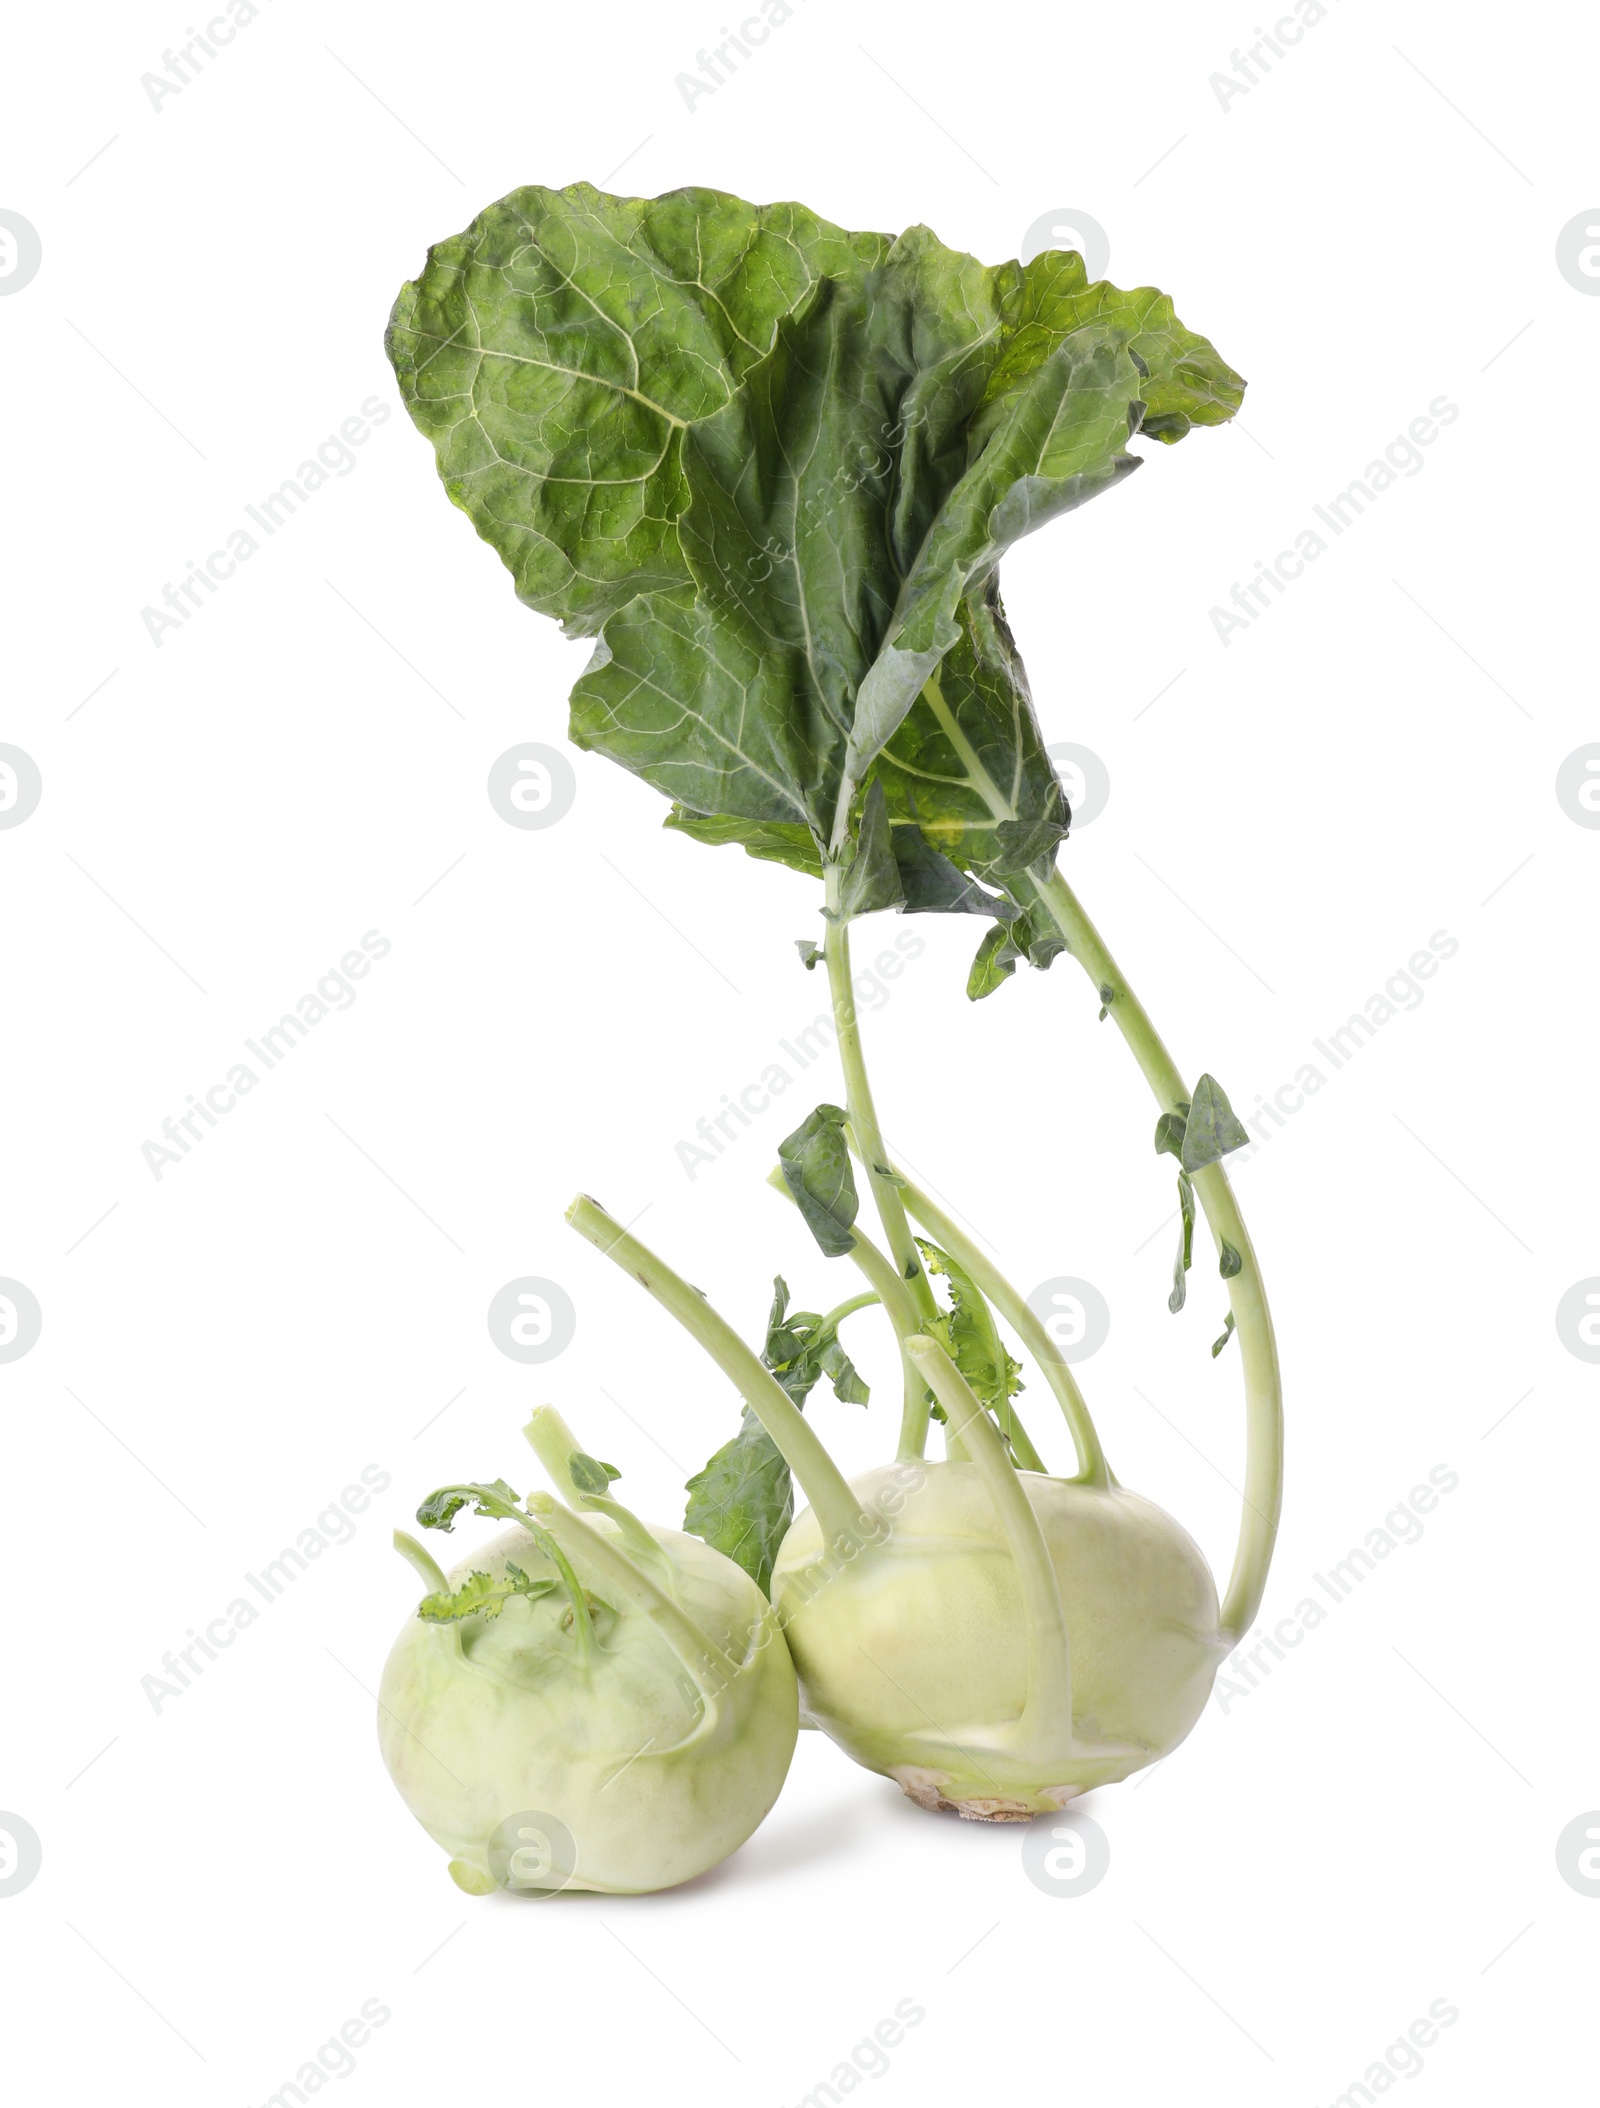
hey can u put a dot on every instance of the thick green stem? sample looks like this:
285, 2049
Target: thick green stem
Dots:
1030, 1329
1046, 1720
1263, 1484
858, 1101
823, 1483
891, 1291
1263, 1493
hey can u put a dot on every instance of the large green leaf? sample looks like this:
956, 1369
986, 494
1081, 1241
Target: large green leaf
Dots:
556, 352
772, 466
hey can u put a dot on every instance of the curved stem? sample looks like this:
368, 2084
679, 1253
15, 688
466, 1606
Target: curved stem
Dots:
858, 1102
711, 1668
955, 1450
903, 1315
417, 1555
554, 1444
487, 1500
1093, 1469
1263, 1483
1046, 1718
834, 1318
582, 1624
823, 1483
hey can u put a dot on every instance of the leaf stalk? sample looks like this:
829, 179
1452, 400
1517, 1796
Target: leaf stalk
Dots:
1263, 1484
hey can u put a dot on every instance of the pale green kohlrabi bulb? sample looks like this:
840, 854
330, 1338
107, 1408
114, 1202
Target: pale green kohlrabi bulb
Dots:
913, 1652
626, 1754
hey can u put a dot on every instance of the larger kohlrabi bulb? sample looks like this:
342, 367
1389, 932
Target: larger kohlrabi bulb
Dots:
912, 1650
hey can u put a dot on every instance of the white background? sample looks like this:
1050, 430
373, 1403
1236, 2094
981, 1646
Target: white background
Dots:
1373, 225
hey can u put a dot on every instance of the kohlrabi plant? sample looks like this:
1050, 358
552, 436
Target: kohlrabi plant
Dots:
770, 467
585, 1702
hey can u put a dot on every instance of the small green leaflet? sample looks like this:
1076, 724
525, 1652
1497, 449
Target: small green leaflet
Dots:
970, 1337
1108, 995
589, 1475
815, 1161
743, 1501
1212, 1129
1202, 1133
1169, 1131
810, 954
831, 1361
1230, 1262
1217, 1345
480, 1595
1023, 936
1044, 946
803, 1347
496, 1498
1185, 1242
994, 965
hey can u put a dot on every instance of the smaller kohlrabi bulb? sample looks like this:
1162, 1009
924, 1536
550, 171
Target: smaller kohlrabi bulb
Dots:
586, 1702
